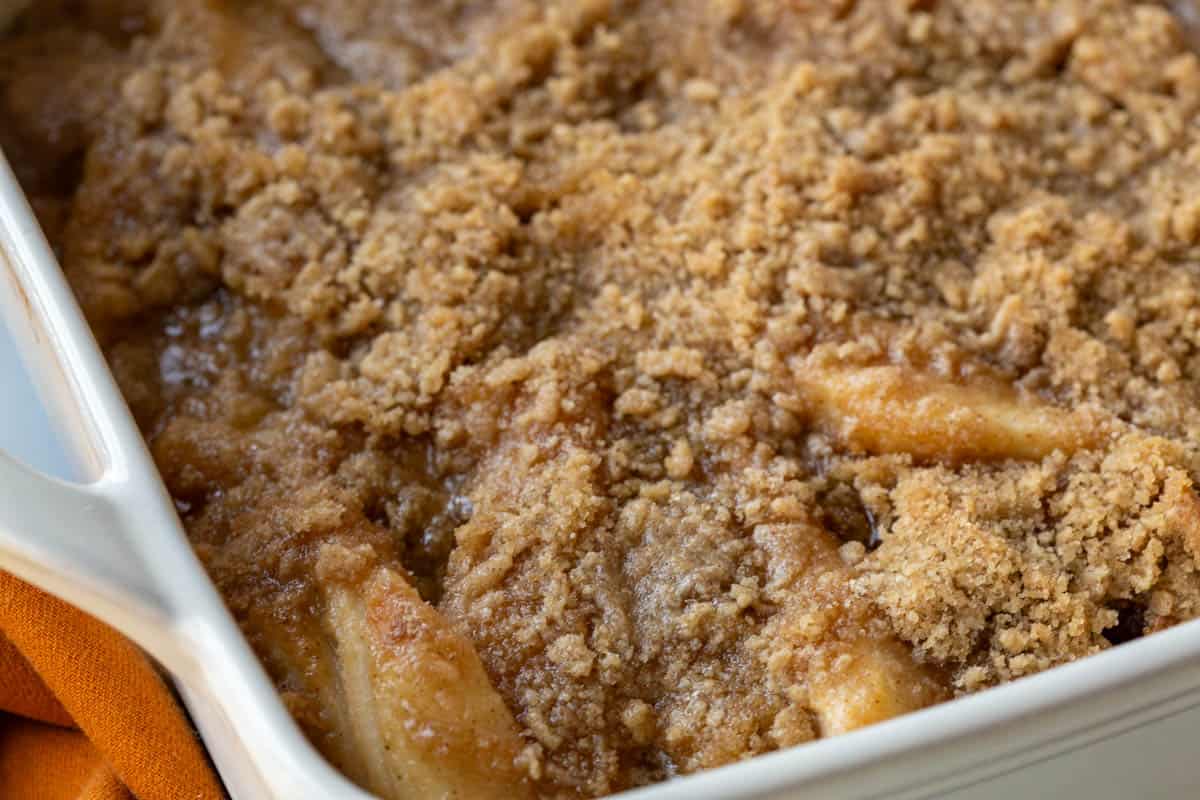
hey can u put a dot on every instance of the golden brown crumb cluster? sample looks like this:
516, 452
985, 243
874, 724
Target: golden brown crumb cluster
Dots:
730, 373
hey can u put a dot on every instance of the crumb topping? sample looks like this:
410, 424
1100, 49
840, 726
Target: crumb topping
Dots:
728, 373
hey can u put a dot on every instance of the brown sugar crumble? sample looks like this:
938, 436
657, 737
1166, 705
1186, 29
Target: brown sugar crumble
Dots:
721, 374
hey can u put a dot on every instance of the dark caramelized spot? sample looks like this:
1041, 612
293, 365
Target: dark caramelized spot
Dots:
1131, 623
843, 514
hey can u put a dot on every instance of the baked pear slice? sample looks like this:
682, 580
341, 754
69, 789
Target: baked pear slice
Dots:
889, 409
412, 692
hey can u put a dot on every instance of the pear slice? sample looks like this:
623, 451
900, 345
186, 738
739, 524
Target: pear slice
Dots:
851, 671
414, 696
887, 409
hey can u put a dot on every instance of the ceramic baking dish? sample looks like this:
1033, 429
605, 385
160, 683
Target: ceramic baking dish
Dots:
1119, 724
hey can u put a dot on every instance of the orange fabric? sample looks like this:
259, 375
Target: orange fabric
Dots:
84, 715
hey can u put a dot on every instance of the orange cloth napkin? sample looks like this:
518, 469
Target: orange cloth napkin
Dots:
84, 715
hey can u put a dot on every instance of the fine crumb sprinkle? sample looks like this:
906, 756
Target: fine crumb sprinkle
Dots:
681, 459
730, 373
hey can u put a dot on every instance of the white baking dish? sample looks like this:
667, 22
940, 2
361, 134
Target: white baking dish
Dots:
1112, 726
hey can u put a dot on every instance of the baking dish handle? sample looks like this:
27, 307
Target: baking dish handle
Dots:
69, 539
